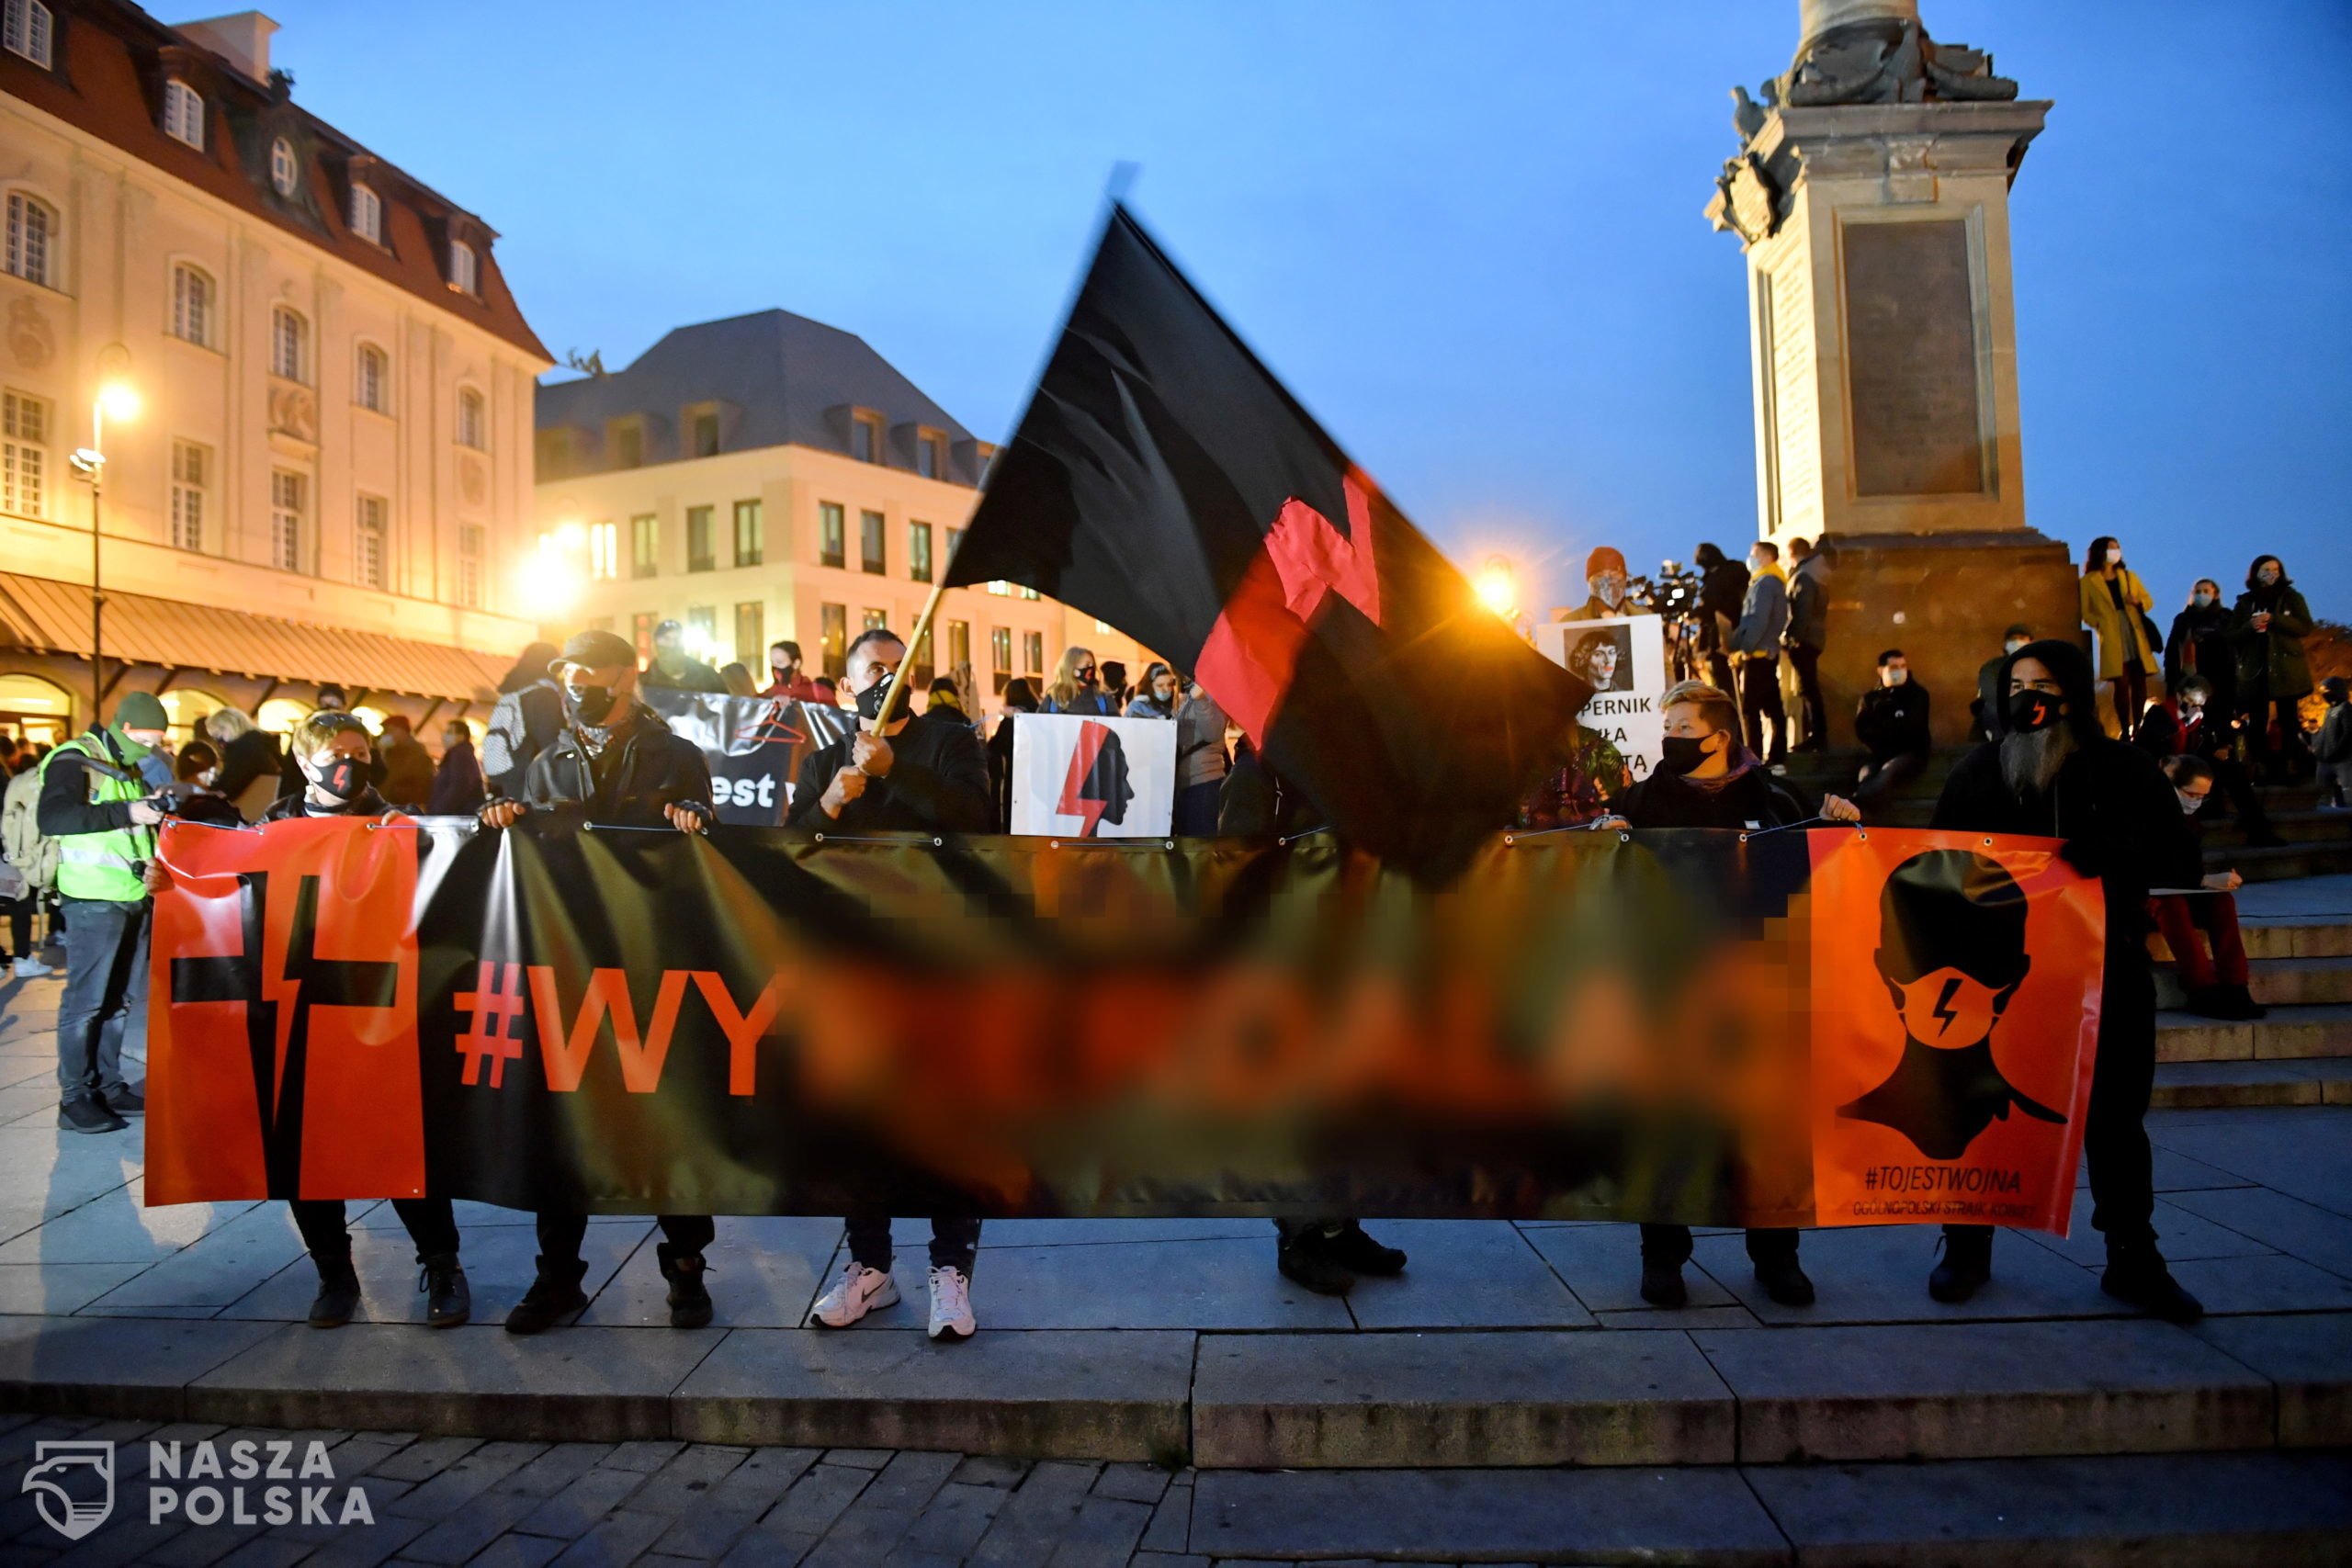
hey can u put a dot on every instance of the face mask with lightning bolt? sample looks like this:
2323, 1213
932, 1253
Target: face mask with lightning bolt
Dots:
1947, 1007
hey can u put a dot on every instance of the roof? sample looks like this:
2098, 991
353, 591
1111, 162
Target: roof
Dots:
779, 379
109, 60
48, 617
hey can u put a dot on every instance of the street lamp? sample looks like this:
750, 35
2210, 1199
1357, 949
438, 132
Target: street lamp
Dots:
1499, 586
120, 401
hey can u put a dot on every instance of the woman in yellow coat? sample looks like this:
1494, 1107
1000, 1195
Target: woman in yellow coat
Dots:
2115, 606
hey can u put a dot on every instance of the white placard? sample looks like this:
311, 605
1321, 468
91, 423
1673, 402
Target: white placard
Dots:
1624, 658
1093, 778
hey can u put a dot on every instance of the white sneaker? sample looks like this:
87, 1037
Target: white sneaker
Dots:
951, 1304
31, 969
859, 1291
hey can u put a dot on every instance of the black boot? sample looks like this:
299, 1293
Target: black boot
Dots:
338, 1296
556, 1293
1662, 1281
88, 1115
1358, 1253
1784, 1281
1967, 1264
447, 1302
689, 1301
1303, 1258
2136, 1273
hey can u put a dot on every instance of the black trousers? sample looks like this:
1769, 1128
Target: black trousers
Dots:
430, 1224
1808, 663
1759, 699
2115, 1128
954, 1242
2237, 787
1769, 1245
560, 1234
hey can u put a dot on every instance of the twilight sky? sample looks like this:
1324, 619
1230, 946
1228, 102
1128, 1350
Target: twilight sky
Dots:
1468, 237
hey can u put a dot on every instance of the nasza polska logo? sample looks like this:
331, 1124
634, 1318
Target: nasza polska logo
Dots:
289, 1489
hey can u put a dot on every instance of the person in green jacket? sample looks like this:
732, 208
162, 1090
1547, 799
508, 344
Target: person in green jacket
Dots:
97, 808
2266, 628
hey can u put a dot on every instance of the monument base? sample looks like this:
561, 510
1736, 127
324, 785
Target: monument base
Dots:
1943, 598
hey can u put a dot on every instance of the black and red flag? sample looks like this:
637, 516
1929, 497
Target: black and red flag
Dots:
1162, 480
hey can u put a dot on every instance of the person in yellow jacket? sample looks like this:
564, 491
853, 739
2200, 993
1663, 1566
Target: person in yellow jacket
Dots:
96, 805
2115, 608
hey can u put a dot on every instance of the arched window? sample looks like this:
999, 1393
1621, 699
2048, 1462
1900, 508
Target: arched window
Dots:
289, 343
371, 386
367, 214
193, 297
284, 172
464, 268
473, 422
27, 30
32, 230
184, 113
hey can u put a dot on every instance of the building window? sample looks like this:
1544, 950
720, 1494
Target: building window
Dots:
875, 621
1101, 626
700, 554
289, 343
749, 533
27, 30
367, 214
286, 505
866, 439
473, 420
928, 457
751, 633
832, 637
954, 543
192, 304
1001, 655
640, 632
184, 113
604, 551
371, 387
472, 545
644, 544
829, 531
465, 269
629, 446
702, 630
959, 645
284, 172
1000, 587
191, 473
33, 226
367, 553
1033, 653
919, 659
919, 552
24, 453
706, 435
1029, 593
869, 543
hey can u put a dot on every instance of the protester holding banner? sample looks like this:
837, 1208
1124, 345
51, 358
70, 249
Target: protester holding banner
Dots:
457, 783
924, 773
1706, 779
673, 668
527, 719
2054, 772
1984, 708
1891, 721
619, 762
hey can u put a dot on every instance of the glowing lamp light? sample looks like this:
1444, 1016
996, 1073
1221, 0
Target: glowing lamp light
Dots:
547, 589
119, 401
572, 537
1498, 586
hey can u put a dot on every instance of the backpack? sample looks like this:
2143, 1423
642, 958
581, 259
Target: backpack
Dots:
26, 848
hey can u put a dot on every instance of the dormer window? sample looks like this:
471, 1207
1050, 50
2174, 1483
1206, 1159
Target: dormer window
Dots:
866, 439
367, 214
284, 172
27, 30
464, 267
184, 113
930, 456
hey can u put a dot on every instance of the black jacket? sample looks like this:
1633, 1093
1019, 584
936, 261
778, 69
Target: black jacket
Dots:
1892, 721
246, 758
938, 783
2113, 807
2199, 645
1000, 760
64, 804
366, 803
693, 675
1723, 590
1754, 799
642, 768
524, 722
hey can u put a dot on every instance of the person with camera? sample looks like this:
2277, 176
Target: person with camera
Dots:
618, 762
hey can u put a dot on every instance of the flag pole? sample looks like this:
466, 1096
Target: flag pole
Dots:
905, 665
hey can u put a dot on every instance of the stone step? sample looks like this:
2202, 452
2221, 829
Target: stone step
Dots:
1630, 1398
2277, 982
2289, 1033
2185, 1086
2279, 1510
2308, 825
2283, 936
2285, 861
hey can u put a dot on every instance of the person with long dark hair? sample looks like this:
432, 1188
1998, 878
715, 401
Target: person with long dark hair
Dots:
2267, 626
2115, 606
2200, 645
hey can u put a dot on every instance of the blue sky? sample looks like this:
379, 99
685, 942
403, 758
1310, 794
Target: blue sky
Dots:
1468, 236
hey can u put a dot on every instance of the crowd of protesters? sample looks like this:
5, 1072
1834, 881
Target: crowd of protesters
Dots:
2211, 708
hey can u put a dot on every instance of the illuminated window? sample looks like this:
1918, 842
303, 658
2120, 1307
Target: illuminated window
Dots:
1033, 653
372, 380
870, 549
699, 554
367, 551
32, 224
192, 310
284, 172
465, 269
473, 420
604, 551
750, 533
191, 474
184, 113
644, 544
472, 546
24, 453
751, 631
27, 30
919, 552
289, 343
1001, 654
288, 496
367, 214
832, 637
830, 543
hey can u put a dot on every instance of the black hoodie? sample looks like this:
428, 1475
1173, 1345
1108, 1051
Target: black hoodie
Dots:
2111, 803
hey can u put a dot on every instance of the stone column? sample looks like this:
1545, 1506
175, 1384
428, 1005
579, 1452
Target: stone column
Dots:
1870, 197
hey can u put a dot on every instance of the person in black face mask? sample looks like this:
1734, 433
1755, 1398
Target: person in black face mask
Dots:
2052, 772
923, 773
1707, 779
616, 759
